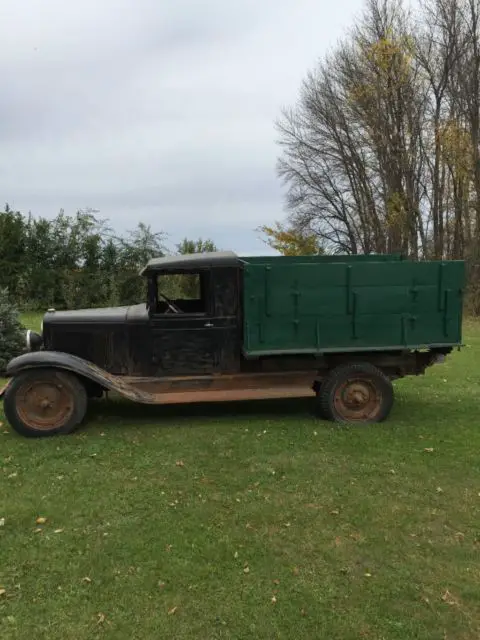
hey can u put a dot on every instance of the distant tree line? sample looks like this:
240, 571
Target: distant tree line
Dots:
77, 261
382, 151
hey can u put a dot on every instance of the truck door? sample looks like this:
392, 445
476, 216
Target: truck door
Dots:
188, 331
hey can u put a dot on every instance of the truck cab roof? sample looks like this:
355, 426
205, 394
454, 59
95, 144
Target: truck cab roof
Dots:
192, 261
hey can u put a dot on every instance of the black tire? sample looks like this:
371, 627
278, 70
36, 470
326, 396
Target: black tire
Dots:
318, 406
56, 407
356, 394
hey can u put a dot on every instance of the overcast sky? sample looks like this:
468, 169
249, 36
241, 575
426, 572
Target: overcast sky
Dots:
155, 110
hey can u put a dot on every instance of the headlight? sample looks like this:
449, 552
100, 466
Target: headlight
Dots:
33, 340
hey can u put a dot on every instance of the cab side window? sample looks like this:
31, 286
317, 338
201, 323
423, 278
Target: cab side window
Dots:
180, 293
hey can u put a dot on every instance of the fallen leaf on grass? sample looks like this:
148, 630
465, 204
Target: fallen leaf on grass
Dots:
58, 531
2, 592
277, 582
41, 520
101, 618
274, 599
2, 522
38, 530
335, 512
86, 579
448, 598
338, 541
246, 570
429, 449
172, 611
180, 463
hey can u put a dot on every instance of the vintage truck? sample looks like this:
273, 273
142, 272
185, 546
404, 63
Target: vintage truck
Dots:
338, 328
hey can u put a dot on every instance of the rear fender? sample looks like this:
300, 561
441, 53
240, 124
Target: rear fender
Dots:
82, 368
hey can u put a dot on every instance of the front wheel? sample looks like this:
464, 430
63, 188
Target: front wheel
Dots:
356, 393
45, 402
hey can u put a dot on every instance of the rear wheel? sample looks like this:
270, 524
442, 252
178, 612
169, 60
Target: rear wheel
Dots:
44, 402
356, 393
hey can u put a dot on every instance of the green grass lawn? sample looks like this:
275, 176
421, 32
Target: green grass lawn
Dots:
250, 521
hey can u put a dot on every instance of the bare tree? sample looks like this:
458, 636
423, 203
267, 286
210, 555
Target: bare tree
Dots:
352, 153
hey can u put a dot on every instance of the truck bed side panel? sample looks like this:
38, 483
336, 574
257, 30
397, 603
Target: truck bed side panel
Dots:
320, 307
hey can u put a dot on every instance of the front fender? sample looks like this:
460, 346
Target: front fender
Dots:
79, 366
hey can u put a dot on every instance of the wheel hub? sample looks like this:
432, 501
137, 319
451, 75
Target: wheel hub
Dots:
44, 405
357, 399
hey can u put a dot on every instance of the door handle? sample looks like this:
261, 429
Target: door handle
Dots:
208, 324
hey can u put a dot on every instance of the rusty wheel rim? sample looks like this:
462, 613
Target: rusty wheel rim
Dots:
44, 405
358, 399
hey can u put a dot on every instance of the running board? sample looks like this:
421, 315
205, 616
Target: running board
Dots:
223, 388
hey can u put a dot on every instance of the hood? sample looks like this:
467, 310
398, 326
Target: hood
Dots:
107, 315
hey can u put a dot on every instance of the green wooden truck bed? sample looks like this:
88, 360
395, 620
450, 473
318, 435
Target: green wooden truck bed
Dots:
325, 304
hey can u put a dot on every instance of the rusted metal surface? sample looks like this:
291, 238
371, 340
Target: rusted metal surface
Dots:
358, 399
43, 404
222, 382
231, 395
211, 388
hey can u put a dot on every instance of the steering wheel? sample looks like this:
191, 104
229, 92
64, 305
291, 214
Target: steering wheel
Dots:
171, 305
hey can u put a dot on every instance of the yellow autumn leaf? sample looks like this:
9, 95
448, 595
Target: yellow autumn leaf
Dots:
449, 598
41, 520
